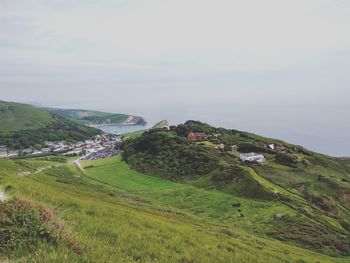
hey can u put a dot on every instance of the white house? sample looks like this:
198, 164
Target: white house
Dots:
252, 157
12, 154
3, 154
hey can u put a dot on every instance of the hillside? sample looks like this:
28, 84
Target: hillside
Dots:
24, 126
168, 199
111, 213
17, 116
91, 118
315, 187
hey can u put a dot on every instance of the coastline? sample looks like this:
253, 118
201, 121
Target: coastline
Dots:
117, 124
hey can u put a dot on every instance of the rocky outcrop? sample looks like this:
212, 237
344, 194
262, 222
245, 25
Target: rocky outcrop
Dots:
134, 120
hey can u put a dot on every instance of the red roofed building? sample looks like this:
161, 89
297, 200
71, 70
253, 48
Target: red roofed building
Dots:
196, 136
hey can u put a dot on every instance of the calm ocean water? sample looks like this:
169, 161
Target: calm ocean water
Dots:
117, 129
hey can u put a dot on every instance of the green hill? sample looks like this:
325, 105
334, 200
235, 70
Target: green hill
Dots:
24, 126
17, 116
315, 186
170, 200
111, 213
88, 117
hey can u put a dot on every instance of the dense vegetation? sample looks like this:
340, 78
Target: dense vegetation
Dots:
111, 213
315, 186
60, 130
88, 117
17, 116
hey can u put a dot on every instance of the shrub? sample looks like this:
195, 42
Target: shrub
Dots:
287, 159
24, 223
312, 235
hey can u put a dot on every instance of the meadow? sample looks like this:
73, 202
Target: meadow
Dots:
115, 214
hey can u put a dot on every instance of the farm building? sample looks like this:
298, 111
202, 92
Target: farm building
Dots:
196, 136
275, 147
252, 157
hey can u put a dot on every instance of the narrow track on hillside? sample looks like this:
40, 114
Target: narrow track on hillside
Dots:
2, 196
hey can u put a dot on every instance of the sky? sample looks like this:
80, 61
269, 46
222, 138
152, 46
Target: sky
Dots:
279, 68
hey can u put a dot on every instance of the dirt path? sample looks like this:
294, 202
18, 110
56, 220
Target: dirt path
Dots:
40, 169
2, 196
77, 162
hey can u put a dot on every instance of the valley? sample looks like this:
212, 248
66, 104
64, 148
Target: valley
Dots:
185, 193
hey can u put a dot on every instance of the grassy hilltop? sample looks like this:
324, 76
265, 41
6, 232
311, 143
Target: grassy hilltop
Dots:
24, 126
17, 116
315, 188
168, 200
111, 213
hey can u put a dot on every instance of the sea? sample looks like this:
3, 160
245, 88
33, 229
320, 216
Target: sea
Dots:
121, 129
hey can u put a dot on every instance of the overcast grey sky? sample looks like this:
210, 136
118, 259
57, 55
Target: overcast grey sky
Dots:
276, 67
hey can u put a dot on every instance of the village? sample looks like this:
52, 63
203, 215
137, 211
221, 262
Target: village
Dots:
106, 145
251, 157
97, 147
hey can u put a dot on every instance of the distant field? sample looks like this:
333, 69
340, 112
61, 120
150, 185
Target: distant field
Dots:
117, 173
134, 134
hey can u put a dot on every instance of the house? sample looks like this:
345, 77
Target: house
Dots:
234, 148
46, 150
252, 157
12, 154
3, 153
221, 146
275, 147
196, 136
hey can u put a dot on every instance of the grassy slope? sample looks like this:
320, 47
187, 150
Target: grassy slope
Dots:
140, 220
61, 130
132, 135
212, 205
16, 116
24, 126
314, 186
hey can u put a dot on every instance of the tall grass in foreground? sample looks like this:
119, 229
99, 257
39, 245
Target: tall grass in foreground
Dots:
111, 224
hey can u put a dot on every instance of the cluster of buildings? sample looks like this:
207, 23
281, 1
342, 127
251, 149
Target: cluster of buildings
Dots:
98, 146
196, 136
251, 157
102, 153
275, 147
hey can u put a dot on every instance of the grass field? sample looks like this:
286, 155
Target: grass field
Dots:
118, 215
16, 116
212, 205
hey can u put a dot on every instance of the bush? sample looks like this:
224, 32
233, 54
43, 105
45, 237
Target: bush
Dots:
24, 223
250, 147
287, 159
311, 235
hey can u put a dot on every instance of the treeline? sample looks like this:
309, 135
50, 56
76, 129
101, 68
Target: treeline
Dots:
167, 155
61, 130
